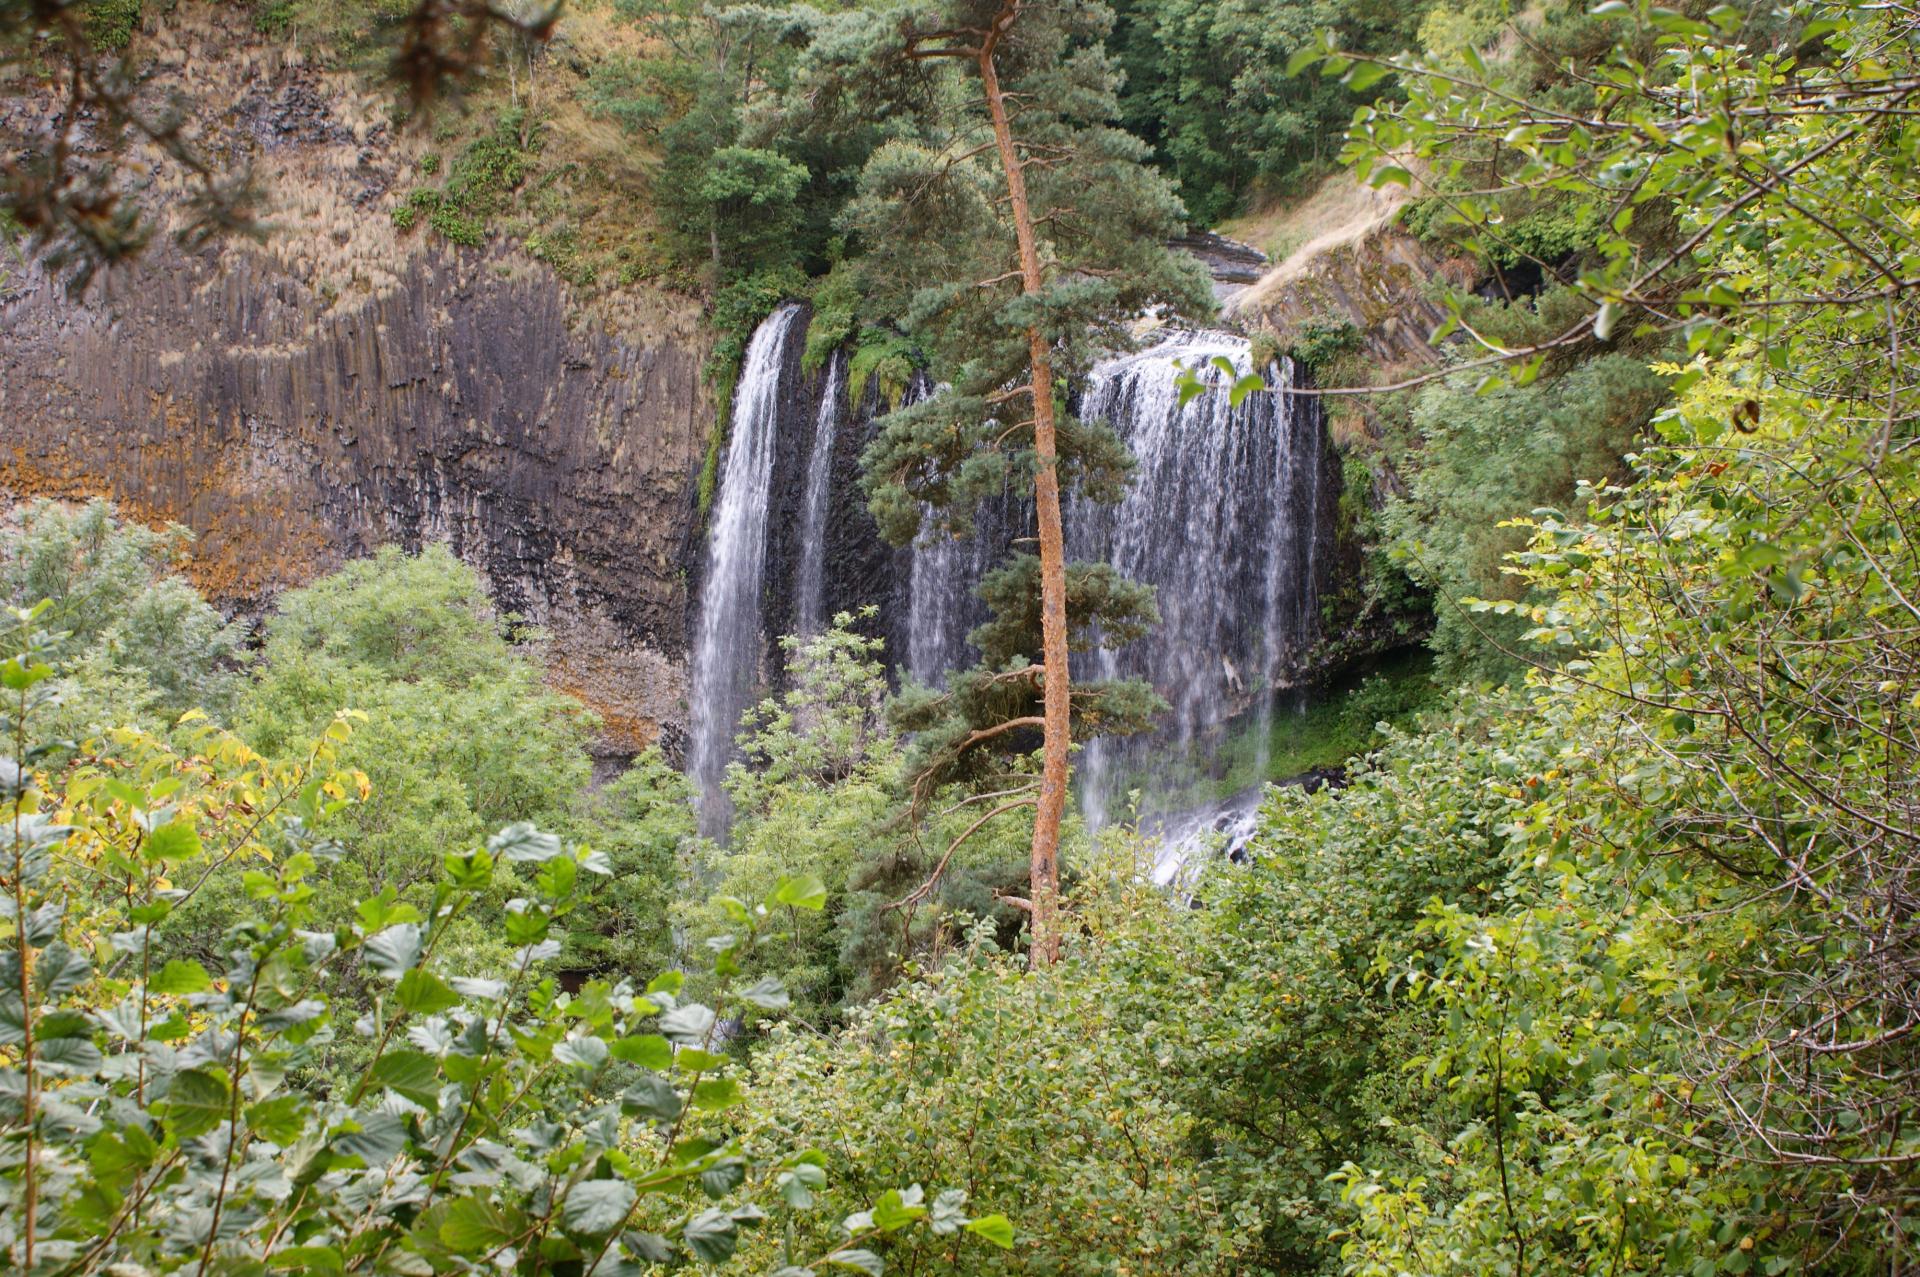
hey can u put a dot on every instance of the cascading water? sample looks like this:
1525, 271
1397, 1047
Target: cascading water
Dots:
943, 607
809, 605
727, 646
1220, 519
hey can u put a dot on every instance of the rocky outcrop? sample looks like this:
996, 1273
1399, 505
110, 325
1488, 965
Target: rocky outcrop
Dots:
1351, 265
466, 405
1379, 283
340, 386
1232, 265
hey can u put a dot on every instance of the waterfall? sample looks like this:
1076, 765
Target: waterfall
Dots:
728, 644
938, 590
942, 607
1220, 519
809, 605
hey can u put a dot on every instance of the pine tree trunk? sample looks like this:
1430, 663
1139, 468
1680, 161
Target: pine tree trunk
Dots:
1045, 862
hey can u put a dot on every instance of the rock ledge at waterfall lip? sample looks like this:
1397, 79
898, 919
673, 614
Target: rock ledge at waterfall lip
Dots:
1228, 260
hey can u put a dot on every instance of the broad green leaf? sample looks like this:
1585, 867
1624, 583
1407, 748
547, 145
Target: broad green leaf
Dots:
949, 1213
1303, 57
712, 1236
688, 1024
598, 1206
71, 1055
859, 1260
411, 1074
652, 1096
302, 1012
581, 1053
424, 993
477, 1226
469, 872
768, 994
803, 892
393, 952
710, 1095
797, 1184
180, 976
994, 1228
523, 843
1364, 76
310, 1258
377, 1139
648, 1050
59, 971
197, 1101
892, 1211
280, 1120
172, 841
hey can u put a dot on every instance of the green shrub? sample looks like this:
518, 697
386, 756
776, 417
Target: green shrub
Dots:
164, 1116
480, 183
111, 23
275, 17
1484, 458
1321, 344
620, 89
1034, 1087
456, 227
137, 642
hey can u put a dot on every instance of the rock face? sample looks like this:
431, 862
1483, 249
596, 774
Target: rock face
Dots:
464, 405
340, 386
1353, 265
1379, 283
1232, 265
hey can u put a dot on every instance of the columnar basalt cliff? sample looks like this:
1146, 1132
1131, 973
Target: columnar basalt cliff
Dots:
466, 404
340, 386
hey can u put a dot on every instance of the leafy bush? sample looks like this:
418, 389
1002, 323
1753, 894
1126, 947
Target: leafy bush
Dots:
1030, 1087
1321, 343
818, 792
137, 641
1289, 1055
640, 822
458, 731
160, 1112
479, 186
619, 89
1487, 457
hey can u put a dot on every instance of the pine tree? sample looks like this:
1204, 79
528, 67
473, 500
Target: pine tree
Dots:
1018, 232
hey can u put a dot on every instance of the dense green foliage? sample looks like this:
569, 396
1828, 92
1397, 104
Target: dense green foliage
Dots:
1482, 458
817, 792
369, 1061
1603, 961
139, 643
1207, 87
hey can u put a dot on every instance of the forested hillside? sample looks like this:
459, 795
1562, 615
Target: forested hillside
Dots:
1569, 925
